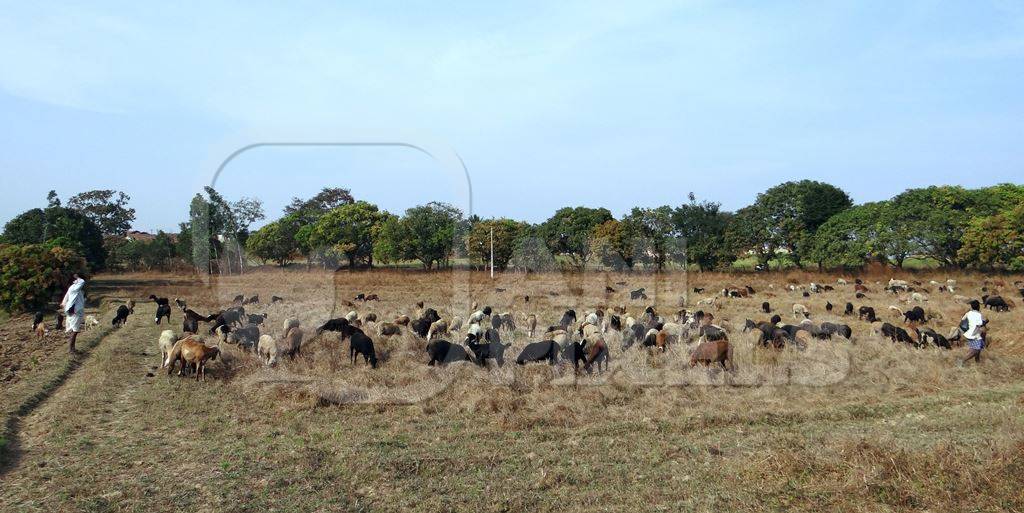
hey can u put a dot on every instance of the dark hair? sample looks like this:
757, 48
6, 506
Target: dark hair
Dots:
975, 305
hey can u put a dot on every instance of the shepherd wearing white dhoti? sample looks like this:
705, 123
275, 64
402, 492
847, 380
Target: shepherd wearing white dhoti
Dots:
73, 305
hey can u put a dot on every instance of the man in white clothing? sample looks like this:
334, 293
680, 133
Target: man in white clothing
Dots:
73, 306
975, 333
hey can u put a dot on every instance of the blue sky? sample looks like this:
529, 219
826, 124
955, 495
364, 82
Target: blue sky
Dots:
579, 103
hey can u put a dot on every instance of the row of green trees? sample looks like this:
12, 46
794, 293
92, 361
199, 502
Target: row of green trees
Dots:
803, 223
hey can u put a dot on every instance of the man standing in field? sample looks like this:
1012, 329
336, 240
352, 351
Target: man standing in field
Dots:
73, 305
974, 333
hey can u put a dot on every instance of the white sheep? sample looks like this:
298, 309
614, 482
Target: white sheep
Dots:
531, 325
437, 328
165, 344
352, 316
918, 297
841, 281
799, 309
289, 323
90, 321
456, 324
267, 349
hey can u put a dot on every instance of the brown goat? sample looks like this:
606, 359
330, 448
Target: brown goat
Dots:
718, 351
291, 344
191, 353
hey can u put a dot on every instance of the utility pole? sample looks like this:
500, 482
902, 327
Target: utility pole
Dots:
492, 252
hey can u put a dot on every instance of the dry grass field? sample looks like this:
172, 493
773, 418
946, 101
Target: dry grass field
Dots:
856, 425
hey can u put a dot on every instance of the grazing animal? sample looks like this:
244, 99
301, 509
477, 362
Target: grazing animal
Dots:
437, 328
766, 308
915, 314
640, 293
568, 319
37, 319
291, 343
360, 344
230, 317
257, 319
827, 329
370, 317
181, 303
860, 288
191, 353
402, 320
160, 300
387, 329
531, 325
609, 290
338, 324
40, 330
90, 321
597, 353
163, 310
717, 351
503, 321
828, 306
246, 337
940, 341
276, 299
121, 316
996, 303
490, 349
575, 352
799, 309
539, 351
421, 327
444, 352
897, 334
849, 309
255, 300
478, 315
698, 290
190, 323
866, 313
268, 350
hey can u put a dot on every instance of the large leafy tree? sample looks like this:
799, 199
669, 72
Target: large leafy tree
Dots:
348, 230
108, 209
657, 241
275, 241
617, 243
31, 274
432, 230
995, 242
324, 201
703, 226
857, 235
59, 227
570, 230
507, 235
787, 215
391, 240
936, 218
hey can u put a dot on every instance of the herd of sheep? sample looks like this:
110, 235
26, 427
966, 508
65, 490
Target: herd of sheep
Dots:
583, 341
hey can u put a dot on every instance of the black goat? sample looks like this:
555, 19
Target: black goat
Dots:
539, 351
163, 310
444, 352
121, 316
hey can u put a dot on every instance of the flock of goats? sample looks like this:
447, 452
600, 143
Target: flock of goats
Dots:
583, 343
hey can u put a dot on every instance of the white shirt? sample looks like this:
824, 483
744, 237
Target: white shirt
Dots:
974, 321
74, 297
